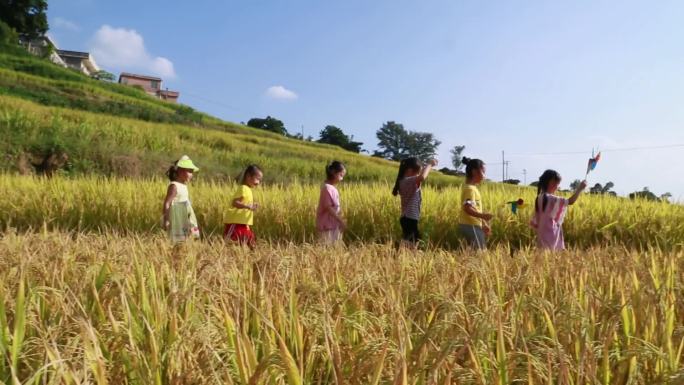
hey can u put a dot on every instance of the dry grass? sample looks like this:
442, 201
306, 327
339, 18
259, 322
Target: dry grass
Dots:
85, 308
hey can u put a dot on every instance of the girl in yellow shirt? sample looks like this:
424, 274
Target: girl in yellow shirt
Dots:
473, 221
240, 216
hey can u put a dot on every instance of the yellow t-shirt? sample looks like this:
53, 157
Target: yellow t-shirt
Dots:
470, 193
240, 216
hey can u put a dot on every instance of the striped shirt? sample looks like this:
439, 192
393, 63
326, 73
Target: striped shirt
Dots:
409, 191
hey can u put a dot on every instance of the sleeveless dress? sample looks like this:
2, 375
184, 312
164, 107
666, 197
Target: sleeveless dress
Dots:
183, 222
548, 221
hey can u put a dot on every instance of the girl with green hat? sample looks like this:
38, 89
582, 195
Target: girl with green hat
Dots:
179, 218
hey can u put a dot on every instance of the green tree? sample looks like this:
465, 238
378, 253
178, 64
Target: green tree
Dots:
575, 184
644, 194
392, 141
601, 189
268, 124
7, 34
396, 143
335, 136
27, 17
422, 145
456, 156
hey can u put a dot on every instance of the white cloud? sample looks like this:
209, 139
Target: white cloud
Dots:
125, 49
280, 93
62, 23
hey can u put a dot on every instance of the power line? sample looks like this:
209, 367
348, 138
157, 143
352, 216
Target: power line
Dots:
602, 150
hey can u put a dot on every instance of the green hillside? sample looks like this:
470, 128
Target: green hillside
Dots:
115, 130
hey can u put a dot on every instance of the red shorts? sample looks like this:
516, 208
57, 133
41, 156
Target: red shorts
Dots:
239, 233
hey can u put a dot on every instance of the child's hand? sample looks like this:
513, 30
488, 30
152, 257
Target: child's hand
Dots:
343, 225
433, 162
487, 217
254, 206
582, 185
487, 230
167, 224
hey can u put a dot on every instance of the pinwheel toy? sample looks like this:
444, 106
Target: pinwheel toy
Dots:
515, 205
593, 161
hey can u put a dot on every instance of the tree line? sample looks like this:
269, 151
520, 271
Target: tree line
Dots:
394, 141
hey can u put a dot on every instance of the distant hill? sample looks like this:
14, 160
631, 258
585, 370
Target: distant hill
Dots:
111, 129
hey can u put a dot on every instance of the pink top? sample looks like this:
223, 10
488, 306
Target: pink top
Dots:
329, 197
548, 222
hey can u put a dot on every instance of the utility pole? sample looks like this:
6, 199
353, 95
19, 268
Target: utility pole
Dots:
525, 176
302, 132
507, 162
503, 166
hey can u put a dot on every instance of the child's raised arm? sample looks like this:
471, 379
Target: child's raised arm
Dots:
426, 170
170, 194
577, 192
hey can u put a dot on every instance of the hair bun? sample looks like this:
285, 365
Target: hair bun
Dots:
465, 160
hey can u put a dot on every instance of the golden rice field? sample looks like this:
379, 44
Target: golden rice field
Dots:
109, 309
93, 293
287, 212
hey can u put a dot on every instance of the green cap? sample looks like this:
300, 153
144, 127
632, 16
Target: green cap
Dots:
186, 162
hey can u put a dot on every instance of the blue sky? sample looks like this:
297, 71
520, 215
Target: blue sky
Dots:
535, 79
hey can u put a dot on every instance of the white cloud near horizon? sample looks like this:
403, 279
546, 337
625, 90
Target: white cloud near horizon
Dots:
62, 23
280, 93
124, 49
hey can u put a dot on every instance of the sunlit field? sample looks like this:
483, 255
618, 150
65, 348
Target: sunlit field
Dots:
287, 212
113, 309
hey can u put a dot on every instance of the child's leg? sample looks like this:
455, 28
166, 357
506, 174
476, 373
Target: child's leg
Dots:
228, 230
474, 236
480, 239
250, 237
329, 237
416, 232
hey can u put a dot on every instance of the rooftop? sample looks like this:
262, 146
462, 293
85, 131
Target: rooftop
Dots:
145, 77
169, 93
82, 55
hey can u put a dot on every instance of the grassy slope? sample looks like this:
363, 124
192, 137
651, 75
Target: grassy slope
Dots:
111, 129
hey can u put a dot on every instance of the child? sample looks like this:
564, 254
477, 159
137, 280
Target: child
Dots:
550, 211
411, 175
473, 222
178, 217
240, 215
329, 222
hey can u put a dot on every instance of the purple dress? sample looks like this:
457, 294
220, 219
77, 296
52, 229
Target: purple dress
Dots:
548, 222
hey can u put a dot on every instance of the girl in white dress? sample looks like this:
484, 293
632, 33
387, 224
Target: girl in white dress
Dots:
179, 218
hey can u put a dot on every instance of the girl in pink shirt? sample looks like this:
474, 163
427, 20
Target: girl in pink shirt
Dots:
329, 222
550, 211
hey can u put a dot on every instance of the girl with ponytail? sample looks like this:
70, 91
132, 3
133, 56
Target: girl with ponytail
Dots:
550, 210
409, 179
329, 222
474, 222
